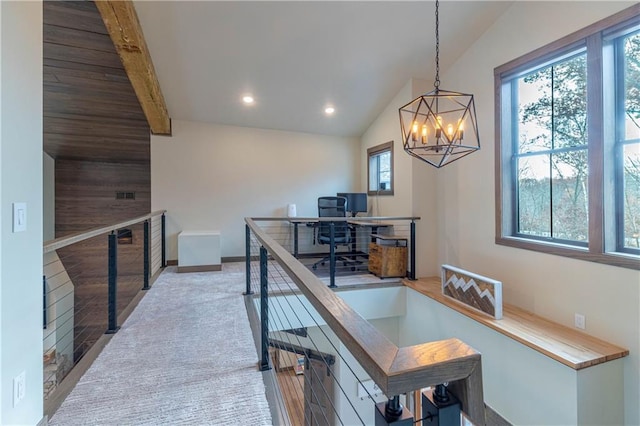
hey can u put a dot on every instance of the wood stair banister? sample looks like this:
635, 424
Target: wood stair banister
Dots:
396, 370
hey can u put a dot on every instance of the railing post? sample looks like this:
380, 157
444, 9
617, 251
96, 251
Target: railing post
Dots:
247, 253
264, 311
392, 413
332, 256
295, 240
412, 273
163, 238
113, 288
440, 407
44, 302
145, 285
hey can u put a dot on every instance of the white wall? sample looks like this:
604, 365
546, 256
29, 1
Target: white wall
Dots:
551, 286
425, 202
525, 386
414, 181
21, 181
210, 177
384, 129
48, 197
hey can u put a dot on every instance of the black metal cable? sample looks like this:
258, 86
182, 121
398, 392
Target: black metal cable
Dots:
296, 292
300, 343
436, 83
296, 295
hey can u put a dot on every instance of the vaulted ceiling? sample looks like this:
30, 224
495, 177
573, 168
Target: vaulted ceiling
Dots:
297, 57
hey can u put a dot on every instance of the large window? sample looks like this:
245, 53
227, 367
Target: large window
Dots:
380, 169
568, 145
627, 84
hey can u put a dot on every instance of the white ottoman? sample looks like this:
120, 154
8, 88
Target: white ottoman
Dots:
199, 251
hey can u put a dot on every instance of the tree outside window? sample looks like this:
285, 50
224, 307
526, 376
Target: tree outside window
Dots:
568, 146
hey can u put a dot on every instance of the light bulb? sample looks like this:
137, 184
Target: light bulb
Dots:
424, 133
438, 127
414, 131
460, 130
450, 130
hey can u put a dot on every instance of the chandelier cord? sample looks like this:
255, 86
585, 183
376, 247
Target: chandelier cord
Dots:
437, 82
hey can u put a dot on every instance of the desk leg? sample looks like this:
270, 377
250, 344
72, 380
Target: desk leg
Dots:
332, 256
353, 230
295, 239
374, 230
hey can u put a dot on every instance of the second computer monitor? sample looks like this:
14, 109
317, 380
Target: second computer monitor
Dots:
356, 201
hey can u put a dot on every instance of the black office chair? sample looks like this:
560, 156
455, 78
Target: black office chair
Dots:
333, 207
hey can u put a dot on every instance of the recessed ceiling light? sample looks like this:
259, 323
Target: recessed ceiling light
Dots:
248, 99
329, 110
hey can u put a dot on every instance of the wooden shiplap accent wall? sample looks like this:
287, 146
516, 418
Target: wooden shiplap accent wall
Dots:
86, 194
85, 199
90, 110
97, 133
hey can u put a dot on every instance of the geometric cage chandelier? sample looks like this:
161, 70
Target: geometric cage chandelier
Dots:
439, 127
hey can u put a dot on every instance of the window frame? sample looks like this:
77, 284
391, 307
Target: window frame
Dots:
375, 151
620, 142
602, 238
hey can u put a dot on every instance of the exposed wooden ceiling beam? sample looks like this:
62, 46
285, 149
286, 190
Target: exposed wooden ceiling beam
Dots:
121, 20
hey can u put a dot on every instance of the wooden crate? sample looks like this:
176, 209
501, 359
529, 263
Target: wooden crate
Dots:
387, 261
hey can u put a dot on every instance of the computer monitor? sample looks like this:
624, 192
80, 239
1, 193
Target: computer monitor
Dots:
356, 201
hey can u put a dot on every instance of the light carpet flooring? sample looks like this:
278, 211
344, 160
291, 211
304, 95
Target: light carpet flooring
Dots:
185, 356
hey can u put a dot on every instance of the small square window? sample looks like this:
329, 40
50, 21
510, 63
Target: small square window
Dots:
380, 169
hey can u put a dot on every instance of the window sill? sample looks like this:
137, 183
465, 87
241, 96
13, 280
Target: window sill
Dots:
375, 193
621, 260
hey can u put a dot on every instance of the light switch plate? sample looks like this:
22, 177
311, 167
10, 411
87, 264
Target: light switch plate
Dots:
19, 217
19, 384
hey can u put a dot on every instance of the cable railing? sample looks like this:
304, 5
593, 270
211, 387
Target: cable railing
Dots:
336, 248
89, 280
331, 365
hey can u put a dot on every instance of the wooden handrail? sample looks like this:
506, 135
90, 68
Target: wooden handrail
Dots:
395, 370
58, 243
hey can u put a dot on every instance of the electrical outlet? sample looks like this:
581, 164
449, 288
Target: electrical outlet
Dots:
19, 384
580, 321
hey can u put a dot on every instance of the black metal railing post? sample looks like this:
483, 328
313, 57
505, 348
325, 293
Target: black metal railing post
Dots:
295, 240
332, 256
441, 407
392, 413
145, 285
264, 311
412, 273
163, 243
113, 286
44, 302
247, 253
